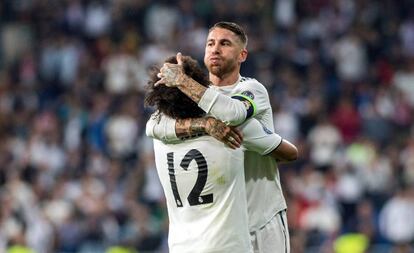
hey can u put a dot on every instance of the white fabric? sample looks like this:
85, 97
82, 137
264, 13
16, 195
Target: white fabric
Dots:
272, 238
162, 128
396, 219
213, 103
208, 99
264, 192
220, 226
256, 139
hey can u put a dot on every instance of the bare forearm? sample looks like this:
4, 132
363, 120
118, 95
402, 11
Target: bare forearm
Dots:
185, 128
191, 88
286, 152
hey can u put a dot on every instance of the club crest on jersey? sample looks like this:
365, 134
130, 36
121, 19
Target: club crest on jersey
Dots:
248, 94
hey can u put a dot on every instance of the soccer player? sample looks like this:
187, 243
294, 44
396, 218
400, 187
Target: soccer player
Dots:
202, 178
234, 99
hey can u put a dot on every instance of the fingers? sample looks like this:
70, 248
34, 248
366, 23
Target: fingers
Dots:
234, 141
161, 81
233, 138
237, 134
230, 136
162, 75
179, 58
231, 145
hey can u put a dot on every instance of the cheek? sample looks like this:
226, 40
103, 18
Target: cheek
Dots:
207, 51
207, 54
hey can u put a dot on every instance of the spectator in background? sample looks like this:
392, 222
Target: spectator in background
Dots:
347, 119
121, 131
397, 217
350, 56
325, 143
404, 78
123, 70
52, 58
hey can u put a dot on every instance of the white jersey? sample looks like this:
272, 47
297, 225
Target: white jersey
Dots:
203, 181
264, 192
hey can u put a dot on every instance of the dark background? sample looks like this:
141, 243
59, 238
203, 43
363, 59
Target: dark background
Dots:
77, 172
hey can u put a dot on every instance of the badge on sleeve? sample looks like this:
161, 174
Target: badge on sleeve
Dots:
248, 103
248, 94
267, 130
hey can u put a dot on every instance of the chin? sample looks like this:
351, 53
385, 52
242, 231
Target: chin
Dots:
216, 73
214, 70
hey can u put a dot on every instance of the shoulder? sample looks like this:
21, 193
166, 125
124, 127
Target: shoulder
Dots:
251, 83
251, 87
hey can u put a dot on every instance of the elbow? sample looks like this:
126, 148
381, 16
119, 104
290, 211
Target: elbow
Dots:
148, 132
286, 152
292, 155
149, 129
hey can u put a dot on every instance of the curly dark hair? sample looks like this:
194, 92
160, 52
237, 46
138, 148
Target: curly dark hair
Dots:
171, 101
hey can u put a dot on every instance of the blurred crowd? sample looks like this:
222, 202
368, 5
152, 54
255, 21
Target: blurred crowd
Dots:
77, 172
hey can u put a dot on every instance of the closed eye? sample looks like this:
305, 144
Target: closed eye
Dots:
226, 43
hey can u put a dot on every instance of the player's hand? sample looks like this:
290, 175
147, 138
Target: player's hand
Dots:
171, 75
230, 136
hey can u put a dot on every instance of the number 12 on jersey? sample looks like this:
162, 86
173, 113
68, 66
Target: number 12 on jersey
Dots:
195, 197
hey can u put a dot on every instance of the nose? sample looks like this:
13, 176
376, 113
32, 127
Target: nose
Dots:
215, 49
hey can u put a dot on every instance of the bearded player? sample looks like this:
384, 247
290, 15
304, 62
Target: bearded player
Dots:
202, 178
235, 99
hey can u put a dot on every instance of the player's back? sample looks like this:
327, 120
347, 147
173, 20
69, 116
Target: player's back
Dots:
203, 181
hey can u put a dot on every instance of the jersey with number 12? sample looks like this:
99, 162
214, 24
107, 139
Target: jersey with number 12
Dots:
203, 181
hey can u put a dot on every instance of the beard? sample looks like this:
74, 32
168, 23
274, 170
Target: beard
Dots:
222, 69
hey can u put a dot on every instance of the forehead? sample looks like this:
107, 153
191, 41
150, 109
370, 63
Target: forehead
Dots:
221, 33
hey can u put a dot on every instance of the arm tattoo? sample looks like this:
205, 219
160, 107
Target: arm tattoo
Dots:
215, 127
174, 75
191, 88
187, 128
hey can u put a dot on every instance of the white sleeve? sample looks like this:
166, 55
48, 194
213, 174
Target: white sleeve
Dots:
258, 138
162, 128
230, 111
251, 99
257, 92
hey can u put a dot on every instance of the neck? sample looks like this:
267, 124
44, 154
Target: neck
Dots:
225, 80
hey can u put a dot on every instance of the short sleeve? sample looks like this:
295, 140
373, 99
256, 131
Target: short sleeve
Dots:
257, 138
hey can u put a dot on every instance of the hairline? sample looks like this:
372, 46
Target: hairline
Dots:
220, 25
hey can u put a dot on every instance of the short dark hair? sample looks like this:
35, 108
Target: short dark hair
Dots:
233, 27
170, 100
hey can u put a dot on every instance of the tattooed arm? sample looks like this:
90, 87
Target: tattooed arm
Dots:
187, 128
192, 89
231, 110
172, 75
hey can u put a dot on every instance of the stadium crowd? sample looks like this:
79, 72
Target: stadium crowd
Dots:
77, 172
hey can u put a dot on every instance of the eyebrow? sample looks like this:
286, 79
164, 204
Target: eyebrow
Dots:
221, 40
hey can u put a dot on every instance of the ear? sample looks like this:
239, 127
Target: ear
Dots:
243, 55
